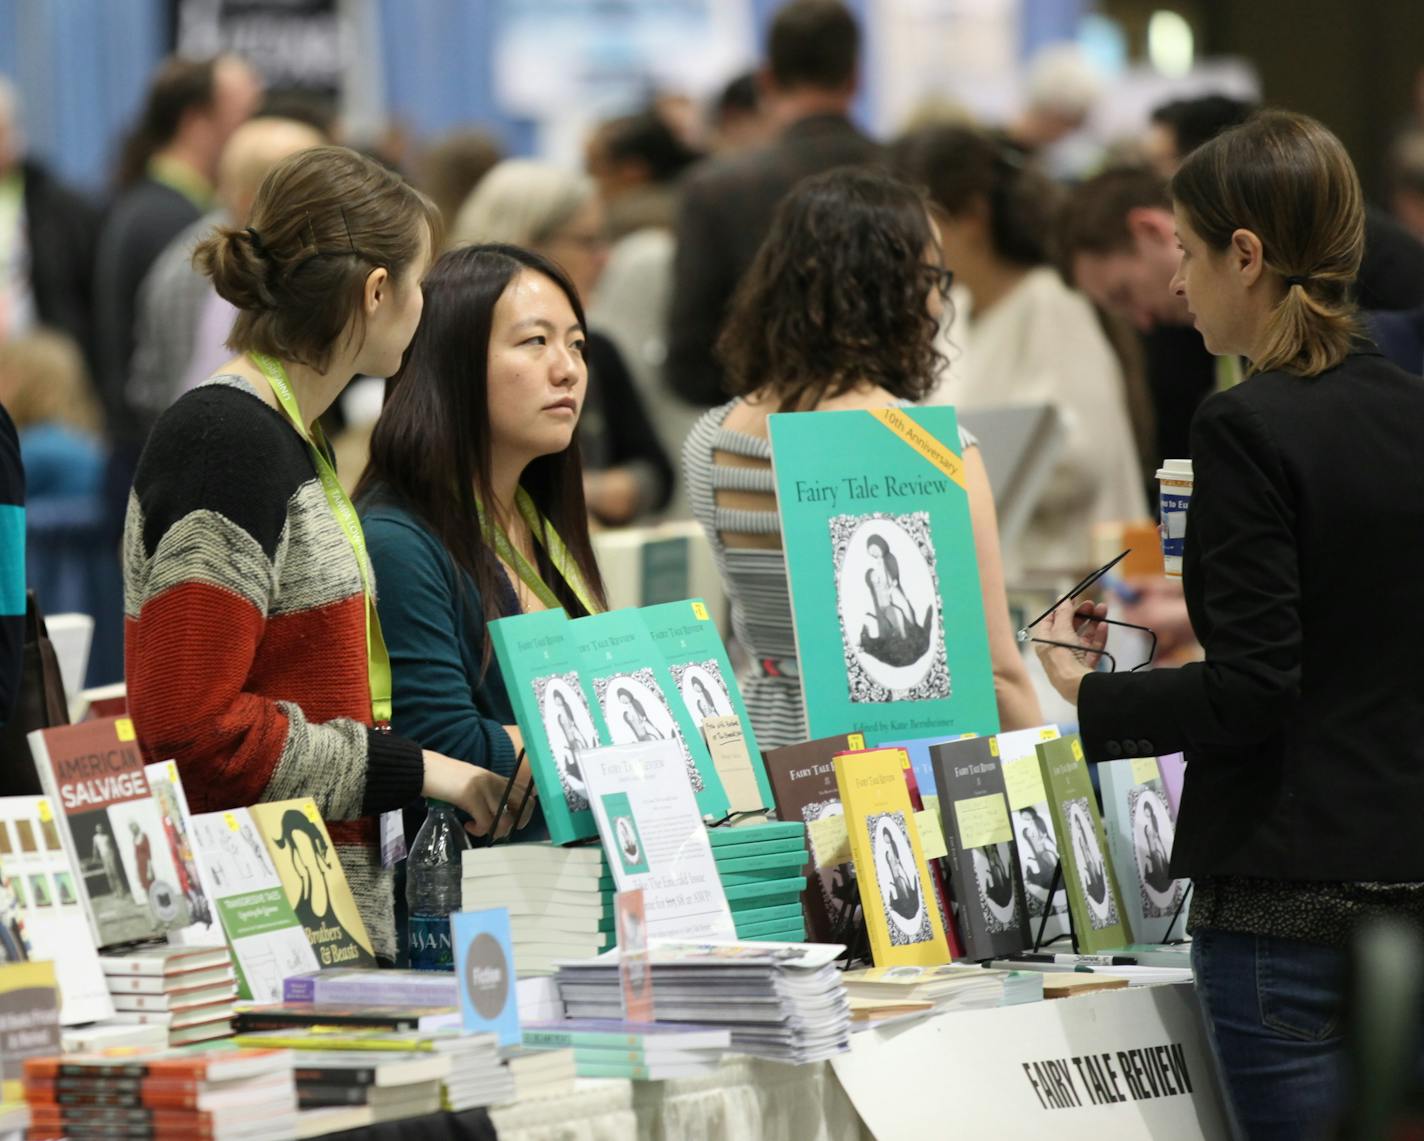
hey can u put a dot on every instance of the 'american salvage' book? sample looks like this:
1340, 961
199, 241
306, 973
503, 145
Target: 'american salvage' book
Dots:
890, 635
1099, 921
557, 715
993, 921
111, 829
901, 916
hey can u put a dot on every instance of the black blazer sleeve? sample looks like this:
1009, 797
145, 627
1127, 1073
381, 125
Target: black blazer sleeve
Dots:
1245, 602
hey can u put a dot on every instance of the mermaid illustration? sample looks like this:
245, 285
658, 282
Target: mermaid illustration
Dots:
900, 638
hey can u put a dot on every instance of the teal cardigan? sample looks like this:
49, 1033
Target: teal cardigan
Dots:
433, 622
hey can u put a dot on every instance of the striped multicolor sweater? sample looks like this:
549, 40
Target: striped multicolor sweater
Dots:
245, 632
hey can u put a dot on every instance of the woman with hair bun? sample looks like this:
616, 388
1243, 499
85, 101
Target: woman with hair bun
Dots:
1305, 534
254, 655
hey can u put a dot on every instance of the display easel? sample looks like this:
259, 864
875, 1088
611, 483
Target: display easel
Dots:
847, 930
1048, 911
1181, 908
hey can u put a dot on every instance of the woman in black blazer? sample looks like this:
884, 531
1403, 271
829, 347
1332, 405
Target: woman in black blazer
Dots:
1304, 792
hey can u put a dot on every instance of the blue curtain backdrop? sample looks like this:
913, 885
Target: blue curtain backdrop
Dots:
80, 66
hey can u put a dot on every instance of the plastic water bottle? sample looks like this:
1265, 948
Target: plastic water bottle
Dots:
432, 887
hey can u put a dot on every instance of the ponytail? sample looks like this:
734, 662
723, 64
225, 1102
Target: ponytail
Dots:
1307, 333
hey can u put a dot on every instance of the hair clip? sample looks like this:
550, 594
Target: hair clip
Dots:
345, 221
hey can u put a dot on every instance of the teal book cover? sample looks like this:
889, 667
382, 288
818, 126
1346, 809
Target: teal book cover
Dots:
693, 649
633, 690
885, 597
1094, 902
556, 714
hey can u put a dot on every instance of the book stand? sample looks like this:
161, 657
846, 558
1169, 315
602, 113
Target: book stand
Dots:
1181, 907
518, 814
846, 929
1048, 910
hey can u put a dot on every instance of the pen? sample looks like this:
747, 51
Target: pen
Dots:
1077, 960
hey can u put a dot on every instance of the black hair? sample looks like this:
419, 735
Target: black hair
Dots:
813, 43
1197, 121
647, 138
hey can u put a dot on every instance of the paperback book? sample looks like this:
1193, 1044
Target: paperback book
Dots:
1094, 904
267, 939
314, 881
803, 783
558, 718
702, 672
902, 919
635, 691
51, 922
974, 811
1036, 841
1140, 831
202, 928
111, 830
889, 621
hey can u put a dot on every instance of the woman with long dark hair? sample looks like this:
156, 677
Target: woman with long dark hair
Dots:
473, 498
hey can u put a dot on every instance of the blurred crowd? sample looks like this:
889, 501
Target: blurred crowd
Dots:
1062, 291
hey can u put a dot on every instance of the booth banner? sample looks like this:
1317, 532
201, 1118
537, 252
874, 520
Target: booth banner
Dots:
304, 45
1121, 1064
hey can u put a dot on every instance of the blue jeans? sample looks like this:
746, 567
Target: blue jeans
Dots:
1272, 1010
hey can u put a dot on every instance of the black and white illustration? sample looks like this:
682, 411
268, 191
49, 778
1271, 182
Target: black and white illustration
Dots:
1092, 867
636, 711
126, 870
1152, 835
838, 886
1038, 857
890, 610
901, 893
568, 724
703, 689
994, 884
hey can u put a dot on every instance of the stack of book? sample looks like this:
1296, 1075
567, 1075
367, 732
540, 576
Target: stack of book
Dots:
189, 991
299, 1015
882, 993
216, 1094
560, 902
782, 1001
644, 1051
535, 1074
763, 873
111, 1034
474, 1076
368, 1086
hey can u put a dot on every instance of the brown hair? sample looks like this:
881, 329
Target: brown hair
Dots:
1093, 216
177, 87
46, 382
813, 43
323, 220
1287, 179
836, 296
959, 166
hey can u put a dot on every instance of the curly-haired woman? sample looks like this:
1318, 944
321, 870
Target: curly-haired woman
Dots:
840, 310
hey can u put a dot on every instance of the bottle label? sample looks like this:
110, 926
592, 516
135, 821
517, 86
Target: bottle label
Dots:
430, 946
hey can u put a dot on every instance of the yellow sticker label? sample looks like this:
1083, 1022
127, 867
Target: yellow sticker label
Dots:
1023, 781
311, 813
903, 426
232, 822
855, 740
124, 728
1144, 769
1077, 749
45, 811
994, 746
983, 820
171, 769
830, 842
1048, 733
931, 834
699, 612
968, 736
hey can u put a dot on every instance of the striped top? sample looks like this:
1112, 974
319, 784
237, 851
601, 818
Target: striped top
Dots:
754, 578
245, 632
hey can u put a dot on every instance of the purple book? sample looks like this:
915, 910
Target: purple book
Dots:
1173, 768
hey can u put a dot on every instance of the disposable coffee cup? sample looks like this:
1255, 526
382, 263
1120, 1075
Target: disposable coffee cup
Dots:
1174, 478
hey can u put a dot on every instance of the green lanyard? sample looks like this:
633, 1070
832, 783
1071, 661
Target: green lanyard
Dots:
378, 660
545, 535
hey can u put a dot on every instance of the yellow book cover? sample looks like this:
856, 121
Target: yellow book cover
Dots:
313, 881
29, 1013
896, 893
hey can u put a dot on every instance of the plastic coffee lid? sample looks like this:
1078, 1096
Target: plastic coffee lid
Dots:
1175, 469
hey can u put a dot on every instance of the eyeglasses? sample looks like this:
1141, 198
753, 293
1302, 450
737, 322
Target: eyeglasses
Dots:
943, 278
1025, 636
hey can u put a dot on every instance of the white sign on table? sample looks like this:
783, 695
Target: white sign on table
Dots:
654, 839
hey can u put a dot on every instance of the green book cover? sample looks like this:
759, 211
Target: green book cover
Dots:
765, 892
885, 599
555, 711
751, 868
701, 671
633, 689
771, 832
778, 914
1094, 903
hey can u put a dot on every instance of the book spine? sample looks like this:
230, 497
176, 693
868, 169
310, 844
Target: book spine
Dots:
325, 1095
443, 989
340, 1076
251, 1023
299, 988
